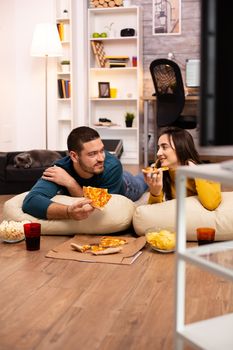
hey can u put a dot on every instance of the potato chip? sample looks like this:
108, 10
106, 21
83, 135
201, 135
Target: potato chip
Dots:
162, 239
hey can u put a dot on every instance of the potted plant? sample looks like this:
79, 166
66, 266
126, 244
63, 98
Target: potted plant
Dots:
65, 66
129, 117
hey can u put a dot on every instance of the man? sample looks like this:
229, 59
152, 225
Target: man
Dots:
88, 164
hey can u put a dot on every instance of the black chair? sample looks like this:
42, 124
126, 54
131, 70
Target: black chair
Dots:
170, 96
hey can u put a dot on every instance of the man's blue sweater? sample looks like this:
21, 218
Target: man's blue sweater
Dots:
39, 198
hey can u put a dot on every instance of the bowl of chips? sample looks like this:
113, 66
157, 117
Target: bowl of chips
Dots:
12, 231
161, 239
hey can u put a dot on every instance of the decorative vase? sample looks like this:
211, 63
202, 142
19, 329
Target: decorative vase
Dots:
65, 68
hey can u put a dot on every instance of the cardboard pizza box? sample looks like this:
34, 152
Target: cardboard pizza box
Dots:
130, 251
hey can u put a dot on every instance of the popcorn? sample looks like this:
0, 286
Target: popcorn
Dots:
12, 230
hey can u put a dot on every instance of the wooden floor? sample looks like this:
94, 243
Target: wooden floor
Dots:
58, 304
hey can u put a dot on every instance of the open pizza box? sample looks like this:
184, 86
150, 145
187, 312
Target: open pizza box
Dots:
130, 251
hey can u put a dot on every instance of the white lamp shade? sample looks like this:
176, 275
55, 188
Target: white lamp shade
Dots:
46, 41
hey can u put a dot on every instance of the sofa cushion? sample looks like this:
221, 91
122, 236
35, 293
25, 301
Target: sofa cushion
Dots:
115, 217
164, 214
23, 175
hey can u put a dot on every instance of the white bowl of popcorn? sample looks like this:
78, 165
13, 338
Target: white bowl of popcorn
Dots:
12, 231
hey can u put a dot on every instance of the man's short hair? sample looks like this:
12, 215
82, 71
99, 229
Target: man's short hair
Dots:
79, 136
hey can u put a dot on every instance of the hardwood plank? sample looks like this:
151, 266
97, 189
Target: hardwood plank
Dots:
211, 300
142, 311
96, 305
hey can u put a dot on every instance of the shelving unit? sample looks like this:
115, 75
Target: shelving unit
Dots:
214, 333
127, 80
64, 105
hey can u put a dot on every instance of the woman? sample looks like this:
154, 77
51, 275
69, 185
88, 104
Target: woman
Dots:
175, 148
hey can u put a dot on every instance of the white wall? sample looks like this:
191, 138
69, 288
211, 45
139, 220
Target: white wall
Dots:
7, 73
22, 97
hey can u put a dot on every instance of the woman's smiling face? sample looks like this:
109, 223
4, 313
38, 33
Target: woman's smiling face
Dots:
166, 152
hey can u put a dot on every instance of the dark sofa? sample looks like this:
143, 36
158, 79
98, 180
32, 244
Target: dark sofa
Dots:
17, 180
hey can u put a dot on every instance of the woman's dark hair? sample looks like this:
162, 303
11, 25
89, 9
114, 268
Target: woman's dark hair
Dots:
79, 136
185, 152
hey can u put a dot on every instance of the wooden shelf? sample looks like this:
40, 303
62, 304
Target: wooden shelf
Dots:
98, 99
115, 38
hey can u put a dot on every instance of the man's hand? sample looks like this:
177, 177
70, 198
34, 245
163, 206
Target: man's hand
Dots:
80, 210
77, 211
59, 176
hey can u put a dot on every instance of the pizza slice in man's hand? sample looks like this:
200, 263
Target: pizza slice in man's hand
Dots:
99, 196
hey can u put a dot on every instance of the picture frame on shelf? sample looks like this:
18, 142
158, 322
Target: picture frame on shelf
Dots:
104, 89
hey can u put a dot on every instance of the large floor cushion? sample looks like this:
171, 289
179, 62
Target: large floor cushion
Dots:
115, 217
164, 214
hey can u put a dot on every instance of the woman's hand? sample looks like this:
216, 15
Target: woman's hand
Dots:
190, 163
154, 182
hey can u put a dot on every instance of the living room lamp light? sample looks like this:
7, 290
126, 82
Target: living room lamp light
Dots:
46, 43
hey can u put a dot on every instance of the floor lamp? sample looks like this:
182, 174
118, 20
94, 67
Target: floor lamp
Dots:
46, 43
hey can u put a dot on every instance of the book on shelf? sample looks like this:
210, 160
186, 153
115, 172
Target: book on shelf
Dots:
60, 92
67, 88
64, 88
117, 65
116, 61
60, 28
122, 58
63, 31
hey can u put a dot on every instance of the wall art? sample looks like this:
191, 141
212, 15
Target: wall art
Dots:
166, 17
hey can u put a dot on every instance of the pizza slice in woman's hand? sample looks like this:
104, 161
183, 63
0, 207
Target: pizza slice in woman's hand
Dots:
99, 196
152, 170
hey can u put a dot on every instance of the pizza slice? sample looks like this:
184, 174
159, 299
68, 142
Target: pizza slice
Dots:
109, 242
80, 248
107, 251
99, 196
107, 245
152, 170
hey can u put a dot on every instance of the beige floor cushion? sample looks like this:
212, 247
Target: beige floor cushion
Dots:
164, 214
115, 217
